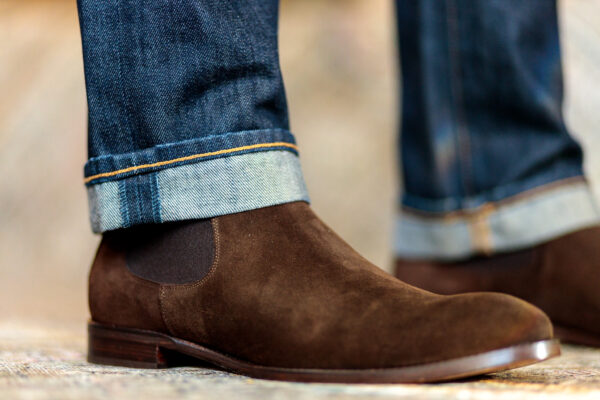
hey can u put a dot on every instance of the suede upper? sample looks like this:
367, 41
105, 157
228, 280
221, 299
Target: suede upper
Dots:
560, 276
285, 291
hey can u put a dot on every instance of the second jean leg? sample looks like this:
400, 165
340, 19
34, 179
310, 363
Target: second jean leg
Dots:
482, 126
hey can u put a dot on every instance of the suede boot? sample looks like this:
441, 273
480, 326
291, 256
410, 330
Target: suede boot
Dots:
274, 293
560, 277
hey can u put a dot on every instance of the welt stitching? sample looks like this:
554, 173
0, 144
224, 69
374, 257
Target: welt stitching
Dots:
188, 158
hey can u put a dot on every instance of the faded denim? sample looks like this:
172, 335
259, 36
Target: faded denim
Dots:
483, 135
176, 90
188, 119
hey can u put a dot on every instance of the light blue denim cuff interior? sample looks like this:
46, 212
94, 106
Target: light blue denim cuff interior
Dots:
204, 189
530, 219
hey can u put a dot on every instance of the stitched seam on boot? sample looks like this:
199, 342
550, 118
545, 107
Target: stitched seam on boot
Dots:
188, 286
162, 310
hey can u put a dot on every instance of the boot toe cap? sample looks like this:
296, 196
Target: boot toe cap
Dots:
480, 322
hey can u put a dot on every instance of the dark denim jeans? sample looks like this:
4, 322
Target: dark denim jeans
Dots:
188, 117
187, 110
482, 102
482, 127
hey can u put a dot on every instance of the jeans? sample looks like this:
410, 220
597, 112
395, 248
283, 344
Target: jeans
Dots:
488, 164
187, 111
188, 119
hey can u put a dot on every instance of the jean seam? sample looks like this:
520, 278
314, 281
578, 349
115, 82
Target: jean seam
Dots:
504, 227
123, 204
526, 195
122, 94
200, 190
191, 142
480, 229
155, 198
462, 131
193, 157
133, 204
486, 195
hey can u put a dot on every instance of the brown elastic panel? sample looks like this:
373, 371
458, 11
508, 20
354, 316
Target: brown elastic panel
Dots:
175, 252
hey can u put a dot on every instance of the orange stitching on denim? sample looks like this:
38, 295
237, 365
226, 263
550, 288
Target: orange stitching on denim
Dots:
481, 232
187, 158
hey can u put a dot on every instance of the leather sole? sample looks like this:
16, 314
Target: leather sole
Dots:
137, 348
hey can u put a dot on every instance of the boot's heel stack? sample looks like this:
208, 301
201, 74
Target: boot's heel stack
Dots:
127, 347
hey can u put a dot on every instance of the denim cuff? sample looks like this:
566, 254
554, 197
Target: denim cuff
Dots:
525, 220
194, 179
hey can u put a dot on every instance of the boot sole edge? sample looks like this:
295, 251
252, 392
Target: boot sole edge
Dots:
128, 347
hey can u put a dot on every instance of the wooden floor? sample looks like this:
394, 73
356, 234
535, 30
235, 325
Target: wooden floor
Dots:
338, 60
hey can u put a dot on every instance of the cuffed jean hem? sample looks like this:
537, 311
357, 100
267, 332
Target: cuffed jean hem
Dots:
515, 223
112, 167
203, 189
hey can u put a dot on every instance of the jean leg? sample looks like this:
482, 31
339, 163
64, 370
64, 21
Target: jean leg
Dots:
483, 134
187, 110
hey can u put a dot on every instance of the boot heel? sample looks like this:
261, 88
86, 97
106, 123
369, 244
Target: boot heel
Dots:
127, 347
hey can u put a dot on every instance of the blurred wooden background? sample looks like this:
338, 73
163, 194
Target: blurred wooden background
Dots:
339, 62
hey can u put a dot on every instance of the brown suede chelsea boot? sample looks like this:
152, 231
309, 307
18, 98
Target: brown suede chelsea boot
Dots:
560, 276
273, 293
